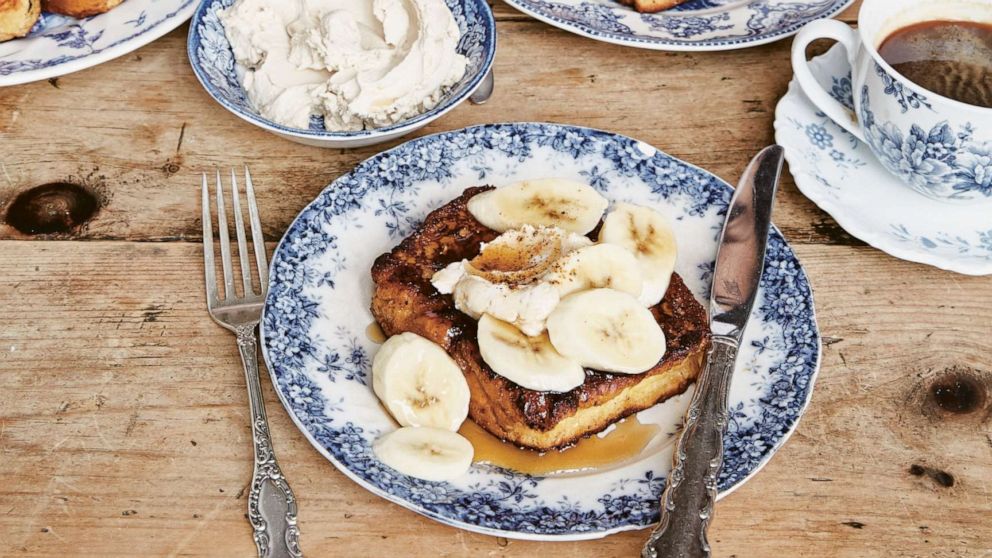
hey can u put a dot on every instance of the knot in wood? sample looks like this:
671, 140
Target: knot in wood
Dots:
58, 207
958, 393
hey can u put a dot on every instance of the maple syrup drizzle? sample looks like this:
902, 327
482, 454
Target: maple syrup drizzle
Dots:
623, 443
375, 334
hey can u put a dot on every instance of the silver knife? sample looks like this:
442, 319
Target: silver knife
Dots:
687, 504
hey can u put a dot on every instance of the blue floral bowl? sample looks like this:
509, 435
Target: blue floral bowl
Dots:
213, 63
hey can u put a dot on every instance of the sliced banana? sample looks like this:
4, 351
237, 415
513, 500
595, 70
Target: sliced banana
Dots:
432, 454
649, 236
597, 266
531, 362
607, 330
573, 206
419, 383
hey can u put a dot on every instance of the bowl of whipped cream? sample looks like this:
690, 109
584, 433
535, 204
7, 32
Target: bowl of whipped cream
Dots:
341, 73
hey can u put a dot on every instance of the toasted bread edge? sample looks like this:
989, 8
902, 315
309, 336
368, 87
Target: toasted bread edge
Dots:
587, 421
79, 8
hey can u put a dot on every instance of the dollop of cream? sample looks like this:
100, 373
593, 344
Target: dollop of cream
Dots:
526, 305
357, 63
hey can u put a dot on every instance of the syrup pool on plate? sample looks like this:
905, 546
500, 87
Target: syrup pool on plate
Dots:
650, 434
623, 443
375, 334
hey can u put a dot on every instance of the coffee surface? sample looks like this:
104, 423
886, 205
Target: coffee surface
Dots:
950, 58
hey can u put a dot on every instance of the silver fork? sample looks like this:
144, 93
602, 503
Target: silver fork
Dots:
271, 503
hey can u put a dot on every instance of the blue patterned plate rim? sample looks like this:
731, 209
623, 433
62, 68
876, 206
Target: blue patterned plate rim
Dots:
442, 108
804, 363
962, 255
673, 29
15, 71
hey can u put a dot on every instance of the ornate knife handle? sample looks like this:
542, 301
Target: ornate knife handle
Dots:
271, 503
687, 504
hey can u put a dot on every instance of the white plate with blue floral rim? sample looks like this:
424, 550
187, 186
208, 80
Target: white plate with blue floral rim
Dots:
840, 174
213, 64
58, 45
317, 311
695, 25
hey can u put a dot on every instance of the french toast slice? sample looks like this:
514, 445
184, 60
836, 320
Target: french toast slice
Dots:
652, 6
405, 300
79, 8
17, 17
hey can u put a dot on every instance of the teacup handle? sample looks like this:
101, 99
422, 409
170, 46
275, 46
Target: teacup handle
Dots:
848, 37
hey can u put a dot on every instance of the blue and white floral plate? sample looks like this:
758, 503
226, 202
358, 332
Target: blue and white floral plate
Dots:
212, 60
58, 45
317, 311
695, 25
842, 176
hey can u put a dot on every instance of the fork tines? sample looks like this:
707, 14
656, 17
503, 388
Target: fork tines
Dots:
227, 264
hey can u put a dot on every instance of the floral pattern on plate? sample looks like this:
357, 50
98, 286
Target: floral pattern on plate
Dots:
58, 45
841, 175
317, 312
695, 25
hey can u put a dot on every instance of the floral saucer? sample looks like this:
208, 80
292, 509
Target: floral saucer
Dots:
842, 176
695, 25
58, 45
317, 313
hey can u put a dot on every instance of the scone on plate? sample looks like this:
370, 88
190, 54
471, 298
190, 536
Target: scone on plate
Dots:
78, 8
17, 17
652, 6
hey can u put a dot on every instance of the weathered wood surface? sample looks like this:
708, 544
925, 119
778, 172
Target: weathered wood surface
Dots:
123, 422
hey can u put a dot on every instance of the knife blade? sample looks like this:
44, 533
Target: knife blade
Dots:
691, 491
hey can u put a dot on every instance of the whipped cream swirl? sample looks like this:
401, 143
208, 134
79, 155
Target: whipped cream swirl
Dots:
357, 63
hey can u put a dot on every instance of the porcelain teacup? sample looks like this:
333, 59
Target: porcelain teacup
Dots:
940, 147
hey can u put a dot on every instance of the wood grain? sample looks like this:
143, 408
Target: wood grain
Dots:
123, 422
141, 149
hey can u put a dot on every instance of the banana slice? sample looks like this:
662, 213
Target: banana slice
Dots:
531, 362
432, 454
597, 266
419, 383
649, 236
607, 330
573, 206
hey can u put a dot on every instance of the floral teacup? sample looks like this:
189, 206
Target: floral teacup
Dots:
940, 147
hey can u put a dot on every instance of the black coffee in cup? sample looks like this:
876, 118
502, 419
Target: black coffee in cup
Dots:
950, 58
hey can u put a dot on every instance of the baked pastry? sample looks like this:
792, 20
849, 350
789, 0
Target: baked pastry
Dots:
405, 300
17, 17
652, 6
79, 8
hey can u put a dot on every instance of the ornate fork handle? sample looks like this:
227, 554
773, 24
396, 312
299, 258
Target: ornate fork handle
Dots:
687, 504
272, 512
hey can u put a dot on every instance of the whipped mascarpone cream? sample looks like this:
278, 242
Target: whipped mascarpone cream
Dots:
357, 63
525, 305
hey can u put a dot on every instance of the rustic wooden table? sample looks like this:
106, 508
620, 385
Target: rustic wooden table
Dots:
123, 413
